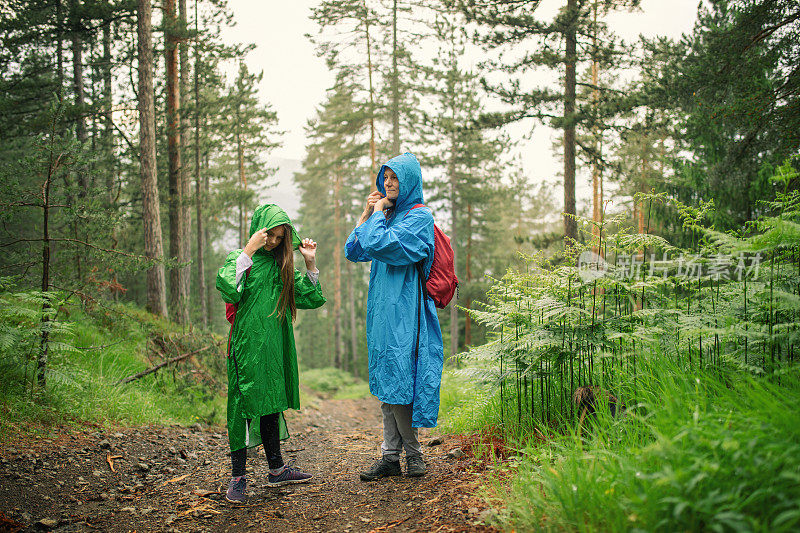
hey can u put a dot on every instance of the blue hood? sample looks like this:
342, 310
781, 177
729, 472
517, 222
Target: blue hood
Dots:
409, 174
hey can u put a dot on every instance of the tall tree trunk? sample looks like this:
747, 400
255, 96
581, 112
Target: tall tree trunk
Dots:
395, 86
80, 122
242, 181
352, 305
206, 233
176, 304
337, 274
108, 124
570, 58
372, 154
201, 266
59, 50
77, 83
468, 279
184, 249
108, 134
154, 250
597, 196
44, 345
451, 169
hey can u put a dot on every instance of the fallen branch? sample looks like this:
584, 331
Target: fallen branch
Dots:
390, 525
160, 365
110, 460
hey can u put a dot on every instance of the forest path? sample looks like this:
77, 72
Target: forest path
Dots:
173, 479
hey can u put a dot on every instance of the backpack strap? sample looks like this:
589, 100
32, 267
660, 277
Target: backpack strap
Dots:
416, 206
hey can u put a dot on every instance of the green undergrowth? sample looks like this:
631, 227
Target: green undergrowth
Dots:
713, 452
91, 349
335, 383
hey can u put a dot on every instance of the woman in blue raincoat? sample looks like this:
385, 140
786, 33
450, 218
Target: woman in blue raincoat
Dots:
404, 339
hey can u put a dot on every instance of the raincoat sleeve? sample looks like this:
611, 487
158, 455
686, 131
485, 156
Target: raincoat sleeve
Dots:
307, 294
353, 250
226, 279
403, 243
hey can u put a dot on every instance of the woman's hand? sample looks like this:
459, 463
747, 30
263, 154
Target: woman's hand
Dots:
383, 204
308, 248
372, 199
256, 242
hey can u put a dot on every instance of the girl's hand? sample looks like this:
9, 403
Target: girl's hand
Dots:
308, 248
256, 242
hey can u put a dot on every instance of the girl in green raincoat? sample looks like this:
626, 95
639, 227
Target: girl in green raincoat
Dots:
265, 291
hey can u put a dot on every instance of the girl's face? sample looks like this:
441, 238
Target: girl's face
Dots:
391, 184
274, 237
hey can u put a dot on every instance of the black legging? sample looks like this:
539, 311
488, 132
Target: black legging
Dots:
270, 438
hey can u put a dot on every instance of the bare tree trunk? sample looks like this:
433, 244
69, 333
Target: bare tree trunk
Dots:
395, 86
468, 275
371, 98
206, 234
176, 303
80, 123
108, 132
184, 249
597, 197
77, 82
353, 336
453, 239
59, 50
154, 250
242, 182
570, 225
201, 266
44, 345
337, 274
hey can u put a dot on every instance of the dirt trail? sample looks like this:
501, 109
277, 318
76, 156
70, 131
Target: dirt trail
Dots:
173, 478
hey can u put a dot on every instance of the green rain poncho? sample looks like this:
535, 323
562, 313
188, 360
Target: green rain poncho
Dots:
262, 361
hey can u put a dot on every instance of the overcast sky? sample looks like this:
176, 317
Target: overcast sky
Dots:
295, 79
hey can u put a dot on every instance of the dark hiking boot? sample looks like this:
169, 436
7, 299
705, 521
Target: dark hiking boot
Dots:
382, 468
236, 490
415, 466
288, 475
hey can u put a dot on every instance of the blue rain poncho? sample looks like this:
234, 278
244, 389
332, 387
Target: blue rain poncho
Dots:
394, 246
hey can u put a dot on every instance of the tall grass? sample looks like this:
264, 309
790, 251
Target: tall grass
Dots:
700, 346
91, 350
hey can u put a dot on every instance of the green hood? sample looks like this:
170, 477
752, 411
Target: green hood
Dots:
268, 216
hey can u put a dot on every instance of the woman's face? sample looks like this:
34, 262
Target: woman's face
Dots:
391, 184
274, 237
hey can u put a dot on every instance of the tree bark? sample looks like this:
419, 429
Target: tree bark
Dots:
176, 303
59, 51
77, 83
337, 275
184, 249
570, 58
353, 336
242, 181
201, 267
156, 295
372, 154
468, 279
395, 86
597, 195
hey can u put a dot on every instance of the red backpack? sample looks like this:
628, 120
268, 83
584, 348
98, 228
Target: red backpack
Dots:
442, 282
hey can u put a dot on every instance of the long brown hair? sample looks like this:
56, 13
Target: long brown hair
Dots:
284, 256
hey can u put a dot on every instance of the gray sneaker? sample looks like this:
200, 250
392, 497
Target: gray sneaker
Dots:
236, 490
382, 468
415, 466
